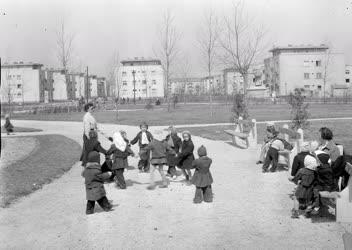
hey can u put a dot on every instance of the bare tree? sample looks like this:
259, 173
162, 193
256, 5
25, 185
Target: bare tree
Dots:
8, 89
207, 39
168, 48
184, 72
241, 42
327, 59
113, 66
64, 41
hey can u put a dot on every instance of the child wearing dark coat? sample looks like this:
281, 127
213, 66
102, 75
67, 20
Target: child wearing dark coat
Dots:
175, 142
8, 125
304, 178
202, 177
94, 183
120, 150
186, 157
159, 150
144, 137
91, 144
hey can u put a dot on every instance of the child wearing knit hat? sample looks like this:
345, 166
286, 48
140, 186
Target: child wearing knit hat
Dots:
305, 180
94, 182
202, 177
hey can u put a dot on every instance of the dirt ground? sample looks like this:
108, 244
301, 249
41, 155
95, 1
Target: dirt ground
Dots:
250, 210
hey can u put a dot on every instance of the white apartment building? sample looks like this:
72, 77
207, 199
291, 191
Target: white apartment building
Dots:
314, 69
80, 80
21, 82
93, 81
59, 85
144, 76
188, 86
216, 83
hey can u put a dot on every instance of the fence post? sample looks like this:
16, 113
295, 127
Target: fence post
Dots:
254, 131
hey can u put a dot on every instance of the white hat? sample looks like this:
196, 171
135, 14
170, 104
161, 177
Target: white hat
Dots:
119, 141
314, 146
305, 147
310, 162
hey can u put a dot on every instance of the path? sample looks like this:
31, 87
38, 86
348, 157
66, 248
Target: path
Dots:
250, 210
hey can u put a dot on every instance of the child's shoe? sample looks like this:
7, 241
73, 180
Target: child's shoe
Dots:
89, 211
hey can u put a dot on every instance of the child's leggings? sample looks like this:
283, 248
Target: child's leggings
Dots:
161, 171
272, 156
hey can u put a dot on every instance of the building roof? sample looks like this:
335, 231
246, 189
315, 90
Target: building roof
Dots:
300, 47
141, 60
20, 64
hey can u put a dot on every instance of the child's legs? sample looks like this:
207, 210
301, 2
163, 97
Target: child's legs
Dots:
172, 170
268, 158
207, 193
90, 207
295, 203
152, 177
147, 162
161, 171
189, 173
185, 174
121, 178
316, 196
104, 203
275, 159
198, 197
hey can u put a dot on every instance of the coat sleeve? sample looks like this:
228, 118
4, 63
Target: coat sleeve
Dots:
100, 149
295, 165
188, 150
111, 150
169, 149
135, 140
102, 176
297, 177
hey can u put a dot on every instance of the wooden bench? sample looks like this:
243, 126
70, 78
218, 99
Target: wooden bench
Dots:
344, 202
244, 134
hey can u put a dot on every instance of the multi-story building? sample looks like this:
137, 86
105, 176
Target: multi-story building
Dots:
348, 75
216, 83
314, 69
142, 76
93, 81
188, 86
21, 82
101, 86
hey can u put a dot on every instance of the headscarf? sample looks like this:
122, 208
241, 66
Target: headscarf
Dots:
305, 147
119, 142
202, 151
314, 146
186, 132
310, 162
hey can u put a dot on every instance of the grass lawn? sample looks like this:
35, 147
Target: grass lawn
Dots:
19, 130
194, 114
342, 130
51, 159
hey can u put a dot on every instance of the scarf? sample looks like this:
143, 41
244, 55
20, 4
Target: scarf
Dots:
144, 139
119, 142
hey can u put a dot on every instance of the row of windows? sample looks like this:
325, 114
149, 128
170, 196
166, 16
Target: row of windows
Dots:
124, 83
347, 72
138, 90
308, 86
317, 75
124, 73
18, 77
309, 63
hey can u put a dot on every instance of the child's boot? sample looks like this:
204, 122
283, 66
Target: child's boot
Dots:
90, 207
208, 194
198, 197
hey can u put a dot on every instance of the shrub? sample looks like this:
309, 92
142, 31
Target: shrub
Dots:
299, 110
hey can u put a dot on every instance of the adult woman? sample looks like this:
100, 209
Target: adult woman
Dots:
89, 124
174, 142
186, 157
327, 144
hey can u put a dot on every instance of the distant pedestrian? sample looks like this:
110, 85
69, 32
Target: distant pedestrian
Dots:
144, 137
8, 125
186, 157
94, 183
202, 177
175, 142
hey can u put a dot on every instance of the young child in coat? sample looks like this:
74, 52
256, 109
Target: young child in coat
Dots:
94, 182
144, 137
91, 144
175, 142
8, 125
305, 180
202, 177
120, 150
159, 149
325, 180
272, 156
186, 157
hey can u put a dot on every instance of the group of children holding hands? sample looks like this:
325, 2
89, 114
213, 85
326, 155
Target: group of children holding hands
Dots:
154, 152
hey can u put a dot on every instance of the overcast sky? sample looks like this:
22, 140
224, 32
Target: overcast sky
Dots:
130, 27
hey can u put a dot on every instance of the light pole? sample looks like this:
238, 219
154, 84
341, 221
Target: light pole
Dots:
134, 86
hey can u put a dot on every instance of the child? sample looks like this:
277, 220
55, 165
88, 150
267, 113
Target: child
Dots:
324, 180
159, 151
8, 125
272, 156
305, 179
120, 150
202, 178
175, 143
143, 138
186, 157
91, 144
298, 161
270, 128
94, 182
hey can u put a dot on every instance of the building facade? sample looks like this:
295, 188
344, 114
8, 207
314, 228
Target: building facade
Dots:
142, 77
21, 83
348, 75
101, 87
313, 69
187, 86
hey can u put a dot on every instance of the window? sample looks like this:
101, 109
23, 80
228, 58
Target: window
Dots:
18, 77
143, 72
319, 76
153, 71
19, 94
306, 86
318, 63
19, 86
124, 73
124, 83
347, 80
144, 82
306, 75
319, 87
306, 63
8, 77
347, 72
154, 82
